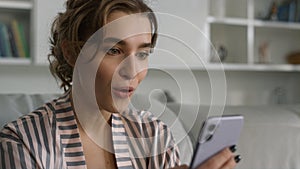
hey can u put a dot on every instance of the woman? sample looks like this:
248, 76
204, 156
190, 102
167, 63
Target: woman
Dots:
58, 134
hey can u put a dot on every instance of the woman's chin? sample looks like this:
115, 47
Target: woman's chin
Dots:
115, 105
121, 105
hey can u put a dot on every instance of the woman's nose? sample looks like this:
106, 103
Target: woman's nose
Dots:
128, 68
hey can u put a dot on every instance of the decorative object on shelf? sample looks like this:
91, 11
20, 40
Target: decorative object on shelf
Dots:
293, 58
218, 53
283, 11
287, 11
273, 12
13, 42
264, 54
5, 48
292, 11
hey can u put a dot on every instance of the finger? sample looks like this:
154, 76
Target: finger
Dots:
181, 167
218, 160
230, 164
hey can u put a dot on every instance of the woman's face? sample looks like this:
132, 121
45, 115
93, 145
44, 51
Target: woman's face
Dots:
125, 61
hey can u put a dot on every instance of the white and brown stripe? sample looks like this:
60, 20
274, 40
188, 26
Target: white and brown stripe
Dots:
49, 138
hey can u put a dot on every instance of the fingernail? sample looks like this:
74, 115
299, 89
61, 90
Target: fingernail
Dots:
237, 158
232, 148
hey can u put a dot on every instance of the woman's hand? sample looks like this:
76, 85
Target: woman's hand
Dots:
225, 159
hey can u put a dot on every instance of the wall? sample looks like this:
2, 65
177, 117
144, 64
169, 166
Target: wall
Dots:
243, 88
27, 79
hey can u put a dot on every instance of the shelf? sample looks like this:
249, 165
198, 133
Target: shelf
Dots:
257, 23
247, 38
227, 20
234, 67
15, 61
25, 5
277, 24
255, 67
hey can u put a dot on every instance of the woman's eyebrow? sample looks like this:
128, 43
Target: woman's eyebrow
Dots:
145, 45
114, 40
122, 42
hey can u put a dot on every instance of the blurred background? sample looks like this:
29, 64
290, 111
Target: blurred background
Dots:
257, 42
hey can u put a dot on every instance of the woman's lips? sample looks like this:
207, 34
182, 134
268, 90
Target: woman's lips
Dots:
123, 92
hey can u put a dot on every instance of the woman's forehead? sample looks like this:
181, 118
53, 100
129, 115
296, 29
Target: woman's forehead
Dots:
122, 25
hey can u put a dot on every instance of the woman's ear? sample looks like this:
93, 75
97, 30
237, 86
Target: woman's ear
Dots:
68, 54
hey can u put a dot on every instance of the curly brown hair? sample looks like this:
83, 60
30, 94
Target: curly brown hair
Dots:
81, 19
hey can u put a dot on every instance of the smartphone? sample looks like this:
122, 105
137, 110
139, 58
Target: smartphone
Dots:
216, 134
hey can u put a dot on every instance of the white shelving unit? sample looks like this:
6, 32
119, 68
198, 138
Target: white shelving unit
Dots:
23, 5
15, 61
36, 16
22, 12
236, 26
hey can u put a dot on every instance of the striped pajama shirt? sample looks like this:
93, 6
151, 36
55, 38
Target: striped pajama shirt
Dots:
49, 138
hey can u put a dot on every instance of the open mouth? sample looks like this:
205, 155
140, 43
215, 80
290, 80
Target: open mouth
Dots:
123, 92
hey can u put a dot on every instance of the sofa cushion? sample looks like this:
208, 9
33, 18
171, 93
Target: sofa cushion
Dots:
13, 106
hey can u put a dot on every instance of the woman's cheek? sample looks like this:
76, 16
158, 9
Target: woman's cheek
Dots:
142, 75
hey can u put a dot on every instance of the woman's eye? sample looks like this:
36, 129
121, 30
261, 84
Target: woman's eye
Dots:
113, 51
142, 55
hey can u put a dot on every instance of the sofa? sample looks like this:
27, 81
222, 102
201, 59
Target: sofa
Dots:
270, 138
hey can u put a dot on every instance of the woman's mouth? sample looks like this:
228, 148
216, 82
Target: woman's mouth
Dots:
123, 92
